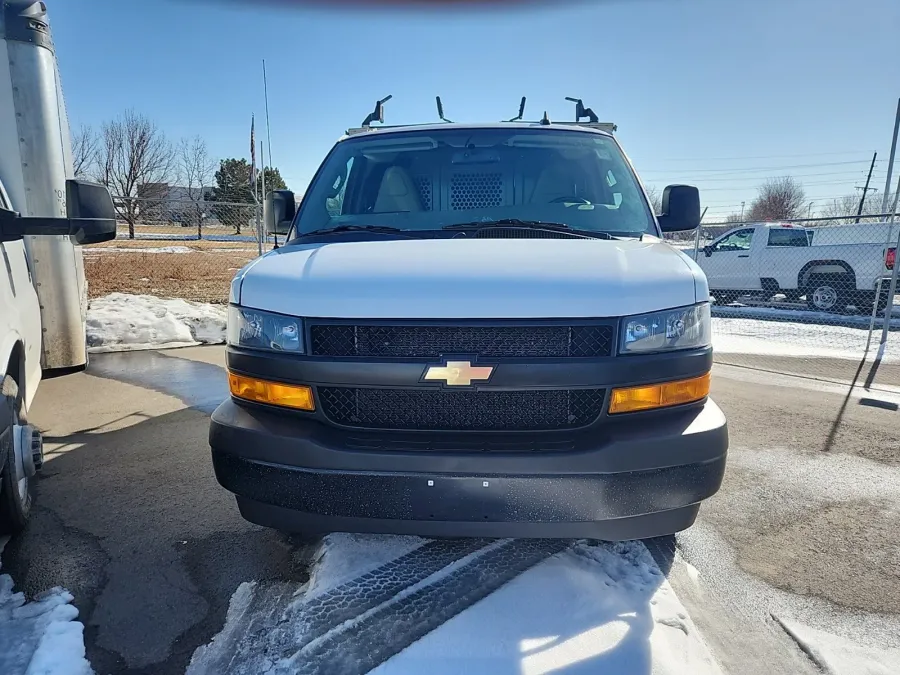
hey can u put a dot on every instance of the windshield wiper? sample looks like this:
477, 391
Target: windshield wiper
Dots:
528, 224
355, 228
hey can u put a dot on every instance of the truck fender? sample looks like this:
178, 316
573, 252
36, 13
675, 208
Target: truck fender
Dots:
819, 267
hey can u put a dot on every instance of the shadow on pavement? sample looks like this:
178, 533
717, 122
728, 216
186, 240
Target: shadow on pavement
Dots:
133, 522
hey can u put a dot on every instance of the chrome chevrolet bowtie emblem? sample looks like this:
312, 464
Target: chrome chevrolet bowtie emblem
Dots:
459, 373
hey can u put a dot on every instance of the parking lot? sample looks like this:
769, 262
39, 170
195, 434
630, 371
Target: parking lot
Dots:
130, 519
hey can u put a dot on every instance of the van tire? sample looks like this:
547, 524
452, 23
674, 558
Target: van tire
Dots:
828, 292
14, 509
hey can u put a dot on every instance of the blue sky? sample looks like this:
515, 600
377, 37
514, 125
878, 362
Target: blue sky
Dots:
717, 93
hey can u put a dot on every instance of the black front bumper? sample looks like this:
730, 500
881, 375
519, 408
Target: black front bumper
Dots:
636, 478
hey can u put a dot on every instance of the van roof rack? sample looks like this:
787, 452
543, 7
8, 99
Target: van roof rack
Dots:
581, 112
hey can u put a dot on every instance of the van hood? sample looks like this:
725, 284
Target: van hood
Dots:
471, 279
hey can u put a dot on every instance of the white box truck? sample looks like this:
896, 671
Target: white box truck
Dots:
44, 216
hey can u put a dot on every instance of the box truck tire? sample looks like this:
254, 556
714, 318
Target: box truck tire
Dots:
15, 485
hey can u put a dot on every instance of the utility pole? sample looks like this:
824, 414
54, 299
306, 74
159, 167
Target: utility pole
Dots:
809, 210
890, 168
862, 200
742, 212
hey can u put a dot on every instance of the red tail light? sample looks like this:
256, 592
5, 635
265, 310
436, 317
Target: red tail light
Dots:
891, 258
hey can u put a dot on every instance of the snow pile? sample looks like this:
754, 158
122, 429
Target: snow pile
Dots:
122, 322
159, 249
40, 637
403, 605
838, 656
603, 608
796, 339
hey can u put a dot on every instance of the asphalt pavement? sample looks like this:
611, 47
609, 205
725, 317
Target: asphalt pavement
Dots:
129, 517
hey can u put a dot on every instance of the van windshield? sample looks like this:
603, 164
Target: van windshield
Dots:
431, 179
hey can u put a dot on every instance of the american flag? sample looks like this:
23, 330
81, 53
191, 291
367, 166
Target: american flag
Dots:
253, 150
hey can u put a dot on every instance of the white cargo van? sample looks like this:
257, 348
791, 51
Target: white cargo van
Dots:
472, 330
43, 218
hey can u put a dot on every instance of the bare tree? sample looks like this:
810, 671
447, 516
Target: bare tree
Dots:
844, 206
655, 199
848, 205
778, 199
134, 160
734, 218
84, 151
196, 171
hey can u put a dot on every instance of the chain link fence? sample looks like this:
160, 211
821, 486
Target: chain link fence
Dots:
189, 249
807, 296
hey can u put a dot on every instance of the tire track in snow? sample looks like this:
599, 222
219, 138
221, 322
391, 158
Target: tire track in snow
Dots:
364, 593
362, 643
268, 624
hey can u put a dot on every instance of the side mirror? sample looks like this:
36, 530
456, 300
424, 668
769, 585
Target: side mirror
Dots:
680, 209
91, 217
279, 211
707, 251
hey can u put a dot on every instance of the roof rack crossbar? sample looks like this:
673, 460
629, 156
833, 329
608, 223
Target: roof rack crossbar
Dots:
609, 127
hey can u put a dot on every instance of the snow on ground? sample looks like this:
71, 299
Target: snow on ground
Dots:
192, 237
122, 322
40, 637
159, 249
785, 332
527, 607
836, 655
162, 249
591, 609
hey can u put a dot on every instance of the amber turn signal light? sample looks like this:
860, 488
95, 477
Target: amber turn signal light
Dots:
661, 395
293, 396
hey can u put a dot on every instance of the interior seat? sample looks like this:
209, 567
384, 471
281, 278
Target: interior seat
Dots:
553, 182
398, 192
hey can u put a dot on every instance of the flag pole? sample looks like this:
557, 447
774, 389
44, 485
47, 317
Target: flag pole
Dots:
262, 159
253, 183
268, 135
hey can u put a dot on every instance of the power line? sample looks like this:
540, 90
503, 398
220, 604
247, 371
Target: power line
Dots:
721, 205
758, 168
805, 185
723, 159
849, 174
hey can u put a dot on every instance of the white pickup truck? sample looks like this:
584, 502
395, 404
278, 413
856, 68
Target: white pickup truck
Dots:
43, 218
832, 267
472, 330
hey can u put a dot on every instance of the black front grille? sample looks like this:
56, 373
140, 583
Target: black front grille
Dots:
471, 410
425, 341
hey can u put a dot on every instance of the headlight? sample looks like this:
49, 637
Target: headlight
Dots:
681, 328
255, 329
